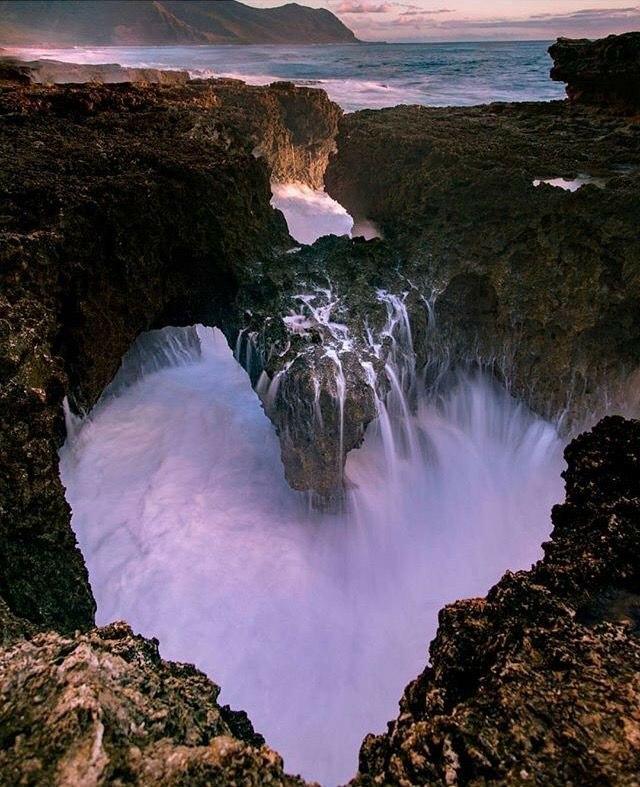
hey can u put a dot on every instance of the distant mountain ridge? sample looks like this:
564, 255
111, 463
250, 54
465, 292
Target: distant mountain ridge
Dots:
122, 22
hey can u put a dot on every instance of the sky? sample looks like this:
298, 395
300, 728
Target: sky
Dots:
474, 20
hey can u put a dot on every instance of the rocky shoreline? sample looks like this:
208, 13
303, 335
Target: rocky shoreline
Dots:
129, 207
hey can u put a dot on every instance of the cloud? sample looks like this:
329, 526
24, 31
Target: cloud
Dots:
355, 7
425, 13
409, 20
584, 18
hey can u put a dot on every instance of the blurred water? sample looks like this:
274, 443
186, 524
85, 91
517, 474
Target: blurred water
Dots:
312, 623
358, 76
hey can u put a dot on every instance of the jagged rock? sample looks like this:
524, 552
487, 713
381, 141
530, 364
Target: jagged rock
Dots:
103, 708
605, 72
320, 326
54, 72
539, 283
124, 208
538, 682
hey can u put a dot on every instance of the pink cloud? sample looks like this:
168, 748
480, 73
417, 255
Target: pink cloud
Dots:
423, 12
355, 7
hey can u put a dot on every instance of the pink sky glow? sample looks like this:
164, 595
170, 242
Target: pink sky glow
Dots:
474, 20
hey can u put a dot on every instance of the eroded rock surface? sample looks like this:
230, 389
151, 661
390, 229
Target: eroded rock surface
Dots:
538, 683
540, 283
605, 72
124, 208
55, 72
104, 708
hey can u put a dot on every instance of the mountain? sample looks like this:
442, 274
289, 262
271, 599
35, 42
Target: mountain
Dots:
120, 22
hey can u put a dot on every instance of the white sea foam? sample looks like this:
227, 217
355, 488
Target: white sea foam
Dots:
571, 185
312, 213
312, 623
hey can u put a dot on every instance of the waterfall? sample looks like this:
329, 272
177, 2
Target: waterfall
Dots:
312, 623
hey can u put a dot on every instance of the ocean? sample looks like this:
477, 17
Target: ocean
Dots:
359, 76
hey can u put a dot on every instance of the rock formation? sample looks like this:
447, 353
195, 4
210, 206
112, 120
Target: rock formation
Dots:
130, 207
123, 208
55, 72
605, 72
536, 282
104, 708
538, 683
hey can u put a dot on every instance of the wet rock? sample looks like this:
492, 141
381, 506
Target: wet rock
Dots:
321, 329
604, 73
55, 72
123, 208
525, 687
541, 284
103, 708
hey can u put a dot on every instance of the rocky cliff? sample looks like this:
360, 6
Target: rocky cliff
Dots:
123, 208
130, 207
54, 72
535, 684
540, 283
605, 72
538, 683
104, 708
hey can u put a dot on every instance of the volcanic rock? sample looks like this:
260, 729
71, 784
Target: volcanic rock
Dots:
604, 73
104, 708
539, 283
54, 72
124, 208
538, 683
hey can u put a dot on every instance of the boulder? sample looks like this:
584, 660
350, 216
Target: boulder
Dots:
604, 73
103, 708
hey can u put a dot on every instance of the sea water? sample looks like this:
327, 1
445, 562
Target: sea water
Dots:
311, 623
358, 76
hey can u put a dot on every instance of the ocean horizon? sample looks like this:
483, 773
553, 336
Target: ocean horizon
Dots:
355, 75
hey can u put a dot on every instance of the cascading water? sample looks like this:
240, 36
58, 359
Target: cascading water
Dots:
312, 623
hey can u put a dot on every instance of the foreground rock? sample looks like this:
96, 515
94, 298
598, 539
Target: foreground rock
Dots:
124, 208
539, 283
104, 708
55, 72
605, 72
538, 683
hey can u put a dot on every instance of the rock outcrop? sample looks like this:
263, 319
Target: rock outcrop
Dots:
539, 283
315, 343
103, 708
55, 72
123, 208
604, 73
538, 683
